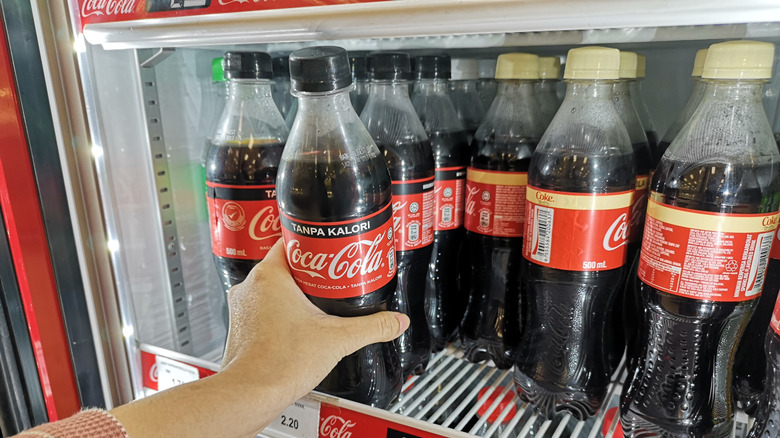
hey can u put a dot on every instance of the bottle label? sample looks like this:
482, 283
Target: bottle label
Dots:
495, 202
775, 252
577, 231
413, 211
775, 321
341, 259
244, 220
638, 207
448, 191
706, 256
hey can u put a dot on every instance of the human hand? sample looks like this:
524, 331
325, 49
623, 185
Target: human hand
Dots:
277, 333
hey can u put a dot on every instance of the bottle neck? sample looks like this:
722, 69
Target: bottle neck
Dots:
389, 90
244, 89
514, 108
326, 109
622, 87
466, 86
591, 89
431, 86
746, 92
547, 85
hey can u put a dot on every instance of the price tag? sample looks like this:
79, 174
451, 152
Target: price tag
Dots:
301, 420
172, 373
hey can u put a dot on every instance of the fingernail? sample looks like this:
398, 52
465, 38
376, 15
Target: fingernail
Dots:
404, 321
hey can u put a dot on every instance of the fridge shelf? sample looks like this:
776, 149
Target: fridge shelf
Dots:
445, 401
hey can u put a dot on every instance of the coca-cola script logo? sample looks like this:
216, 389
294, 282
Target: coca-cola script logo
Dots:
107, 7
233, 216
769, 222
470, 202
544, 198
336, 427
347, 262
617, 234
264, 221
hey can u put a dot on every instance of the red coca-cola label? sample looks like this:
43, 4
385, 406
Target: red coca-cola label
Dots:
775, 252
149, 370
337, 422
341, 259
244, 220
577, 231
775, 321
448, 190
706, 256
413, 211
638, 207
495, 202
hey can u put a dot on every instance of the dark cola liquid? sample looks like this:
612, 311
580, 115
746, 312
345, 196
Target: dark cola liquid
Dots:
407, 162
653, 142
565, 362
320, 190
767, 423
239, 164
444, 299
682, 381
627, 308
490, 328
750, 363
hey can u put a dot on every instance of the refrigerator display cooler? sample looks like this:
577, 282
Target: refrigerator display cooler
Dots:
131, 98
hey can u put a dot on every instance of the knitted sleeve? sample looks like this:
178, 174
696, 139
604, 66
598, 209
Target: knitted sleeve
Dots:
93, 423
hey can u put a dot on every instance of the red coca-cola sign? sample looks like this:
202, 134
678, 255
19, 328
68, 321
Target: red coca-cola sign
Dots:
341, 259
336, 422
102, 11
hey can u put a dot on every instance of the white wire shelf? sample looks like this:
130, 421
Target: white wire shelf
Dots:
445, 402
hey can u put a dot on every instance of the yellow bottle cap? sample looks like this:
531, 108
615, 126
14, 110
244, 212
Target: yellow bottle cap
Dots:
739, 60
517, 66
641, 65
627, 65
592, 63
549, 67
698, 62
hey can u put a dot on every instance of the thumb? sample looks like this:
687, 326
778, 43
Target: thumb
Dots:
370, 329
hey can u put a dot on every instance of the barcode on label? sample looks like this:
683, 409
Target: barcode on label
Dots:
542, 237
758, 270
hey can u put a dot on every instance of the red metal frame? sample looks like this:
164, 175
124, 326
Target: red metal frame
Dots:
30, 251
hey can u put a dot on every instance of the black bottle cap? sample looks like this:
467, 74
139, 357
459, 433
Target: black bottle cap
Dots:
319, 69
247, 65
282, 67
389, 65
433, 67
358, 65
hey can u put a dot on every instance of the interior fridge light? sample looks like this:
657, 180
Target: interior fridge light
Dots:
97, 151
113, 245
127, 331
79, 44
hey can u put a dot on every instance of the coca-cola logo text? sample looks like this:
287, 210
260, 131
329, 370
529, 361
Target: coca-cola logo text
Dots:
264, 221
617, 233
770, 221
336, 427
347, 262
544, 197
470, 202
107, 7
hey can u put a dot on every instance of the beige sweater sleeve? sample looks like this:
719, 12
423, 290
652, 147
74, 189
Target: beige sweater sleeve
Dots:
93, 423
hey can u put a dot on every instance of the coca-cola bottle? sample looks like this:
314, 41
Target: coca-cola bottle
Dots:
627, 309
767, 412
281, 86
487, 87
465, 98
547, 88
711, 218
750, 363
334, 200
693, 102
241, 167
581, 182
211, 109
444, 303
359, 95
396, 129
641, 106
495, 215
